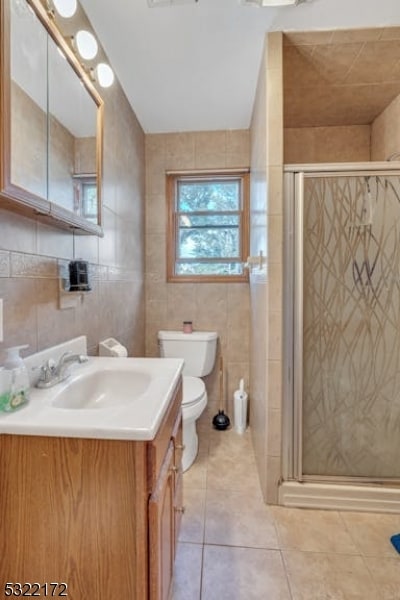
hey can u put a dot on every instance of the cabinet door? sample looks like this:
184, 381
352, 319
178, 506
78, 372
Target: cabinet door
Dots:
162, 530
178, 499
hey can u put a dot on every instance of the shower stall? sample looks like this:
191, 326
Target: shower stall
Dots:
341, 413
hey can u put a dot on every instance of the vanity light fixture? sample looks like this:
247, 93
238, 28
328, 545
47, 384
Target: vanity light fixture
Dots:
65, 8
104, 74
85, 44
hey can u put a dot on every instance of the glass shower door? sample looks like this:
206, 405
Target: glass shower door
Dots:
348, 328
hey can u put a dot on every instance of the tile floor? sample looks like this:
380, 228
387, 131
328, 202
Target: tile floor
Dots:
232, 546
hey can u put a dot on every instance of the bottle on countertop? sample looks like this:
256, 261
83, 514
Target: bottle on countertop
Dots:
14, 381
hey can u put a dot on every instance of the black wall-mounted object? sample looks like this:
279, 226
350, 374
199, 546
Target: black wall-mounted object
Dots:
79, 276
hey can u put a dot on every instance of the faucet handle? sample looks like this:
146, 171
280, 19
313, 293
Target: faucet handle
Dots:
47, 371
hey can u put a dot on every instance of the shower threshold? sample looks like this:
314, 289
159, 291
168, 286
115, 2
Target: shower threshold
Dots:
334, 496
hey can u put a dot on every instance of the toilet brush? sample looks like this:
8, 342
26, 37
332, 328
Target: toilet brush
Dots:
221, 420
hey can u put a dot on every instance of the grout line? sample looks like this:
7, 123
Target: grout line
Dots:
201, 572
291, 592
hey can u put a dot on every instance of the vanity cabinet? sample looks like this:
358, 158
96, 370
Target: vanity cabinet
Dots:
100, 516
165, 510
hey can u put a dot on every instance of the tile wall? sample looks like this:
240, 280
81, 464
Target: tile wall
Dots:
350, 143
266, 285
221, 307
385, 132
31, 252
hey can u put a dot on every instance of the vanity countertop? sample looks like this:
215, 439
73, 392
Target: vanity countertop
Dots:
95, 402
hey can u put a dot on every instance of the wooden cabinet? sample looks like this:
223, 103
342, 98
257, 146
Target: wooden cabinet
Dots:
101, 516
165, 511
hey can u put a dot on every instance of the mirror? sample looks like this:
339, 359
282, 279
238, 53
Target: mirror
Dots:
52, 123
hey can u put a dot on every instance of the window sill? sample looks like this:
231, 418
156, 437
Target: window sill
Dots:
208, 278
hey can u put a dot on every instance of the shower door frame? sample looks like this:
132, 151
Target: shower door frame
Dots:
293, 211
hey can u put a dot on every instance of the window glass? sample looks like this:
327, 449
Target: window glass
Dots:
208, 227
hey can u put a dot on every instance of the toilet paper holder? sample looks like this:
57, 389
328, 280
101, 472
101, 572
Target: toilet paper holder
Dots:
112, 347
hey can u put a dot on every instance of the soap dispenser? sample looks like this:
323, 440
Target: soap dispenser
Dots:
15, 381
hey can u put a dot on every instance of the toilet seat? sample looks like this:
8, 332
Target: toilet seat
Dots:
193, 390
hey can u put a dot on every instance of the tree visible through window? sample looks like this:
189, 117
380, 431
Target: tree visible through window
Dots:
207, 226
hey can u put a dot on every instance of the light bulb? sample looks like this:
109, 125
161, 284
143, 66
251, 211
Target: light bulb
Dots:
86, 44
104, 75
65, 8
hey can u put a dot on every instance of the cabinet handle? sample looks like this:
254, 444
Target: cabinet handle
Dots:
174, 468
180, 446
179, 509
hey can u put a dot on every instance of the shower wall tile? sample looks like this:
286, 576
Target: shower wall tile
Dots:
275, 240
376, 52
385, 132
275, 190
342, 77
273, 474
390, 33
311, 38
274, 432
274, 49
335, 60
275, 335
274, 384
266, 235
308, 144
346, 36
275, 276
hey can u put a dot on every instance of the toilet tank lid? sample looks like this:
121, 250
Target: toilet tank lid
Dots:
195, 336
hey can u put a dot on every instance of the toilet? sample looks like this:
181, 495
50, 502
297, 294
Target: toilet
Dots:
198, 349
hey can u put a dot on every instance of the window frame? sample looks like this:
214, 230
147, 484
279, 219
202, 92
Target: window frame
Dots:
172, 179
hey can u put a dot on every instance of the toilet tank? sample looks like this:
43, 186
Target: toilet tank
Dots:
198, 350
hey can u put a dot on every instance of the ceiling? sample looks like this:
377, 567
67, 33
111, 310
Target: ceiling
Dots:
194, 67
340, 77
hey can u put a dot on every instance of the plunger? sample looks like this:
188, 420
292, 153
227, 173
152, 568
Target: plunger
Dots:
221, 420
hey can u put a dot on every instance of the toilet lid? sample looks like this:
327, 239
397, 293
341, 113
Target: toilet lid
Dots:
193, 389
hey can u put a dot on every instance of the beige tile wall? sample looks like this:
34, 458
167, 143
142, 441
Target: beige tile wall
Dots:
266, 285
275, 260
221, 307
31, 253
327, 144
258, 279
385, 132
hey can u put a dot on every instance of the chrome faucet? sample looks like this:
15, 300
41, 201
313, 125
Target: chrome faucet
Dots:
52, 373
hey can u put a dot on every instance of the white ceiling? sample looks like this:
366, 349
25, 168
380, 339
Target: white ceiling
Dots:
194, 67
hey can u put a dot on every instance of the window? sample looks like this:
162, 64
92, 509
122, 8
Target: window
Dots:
207, 226
85, 197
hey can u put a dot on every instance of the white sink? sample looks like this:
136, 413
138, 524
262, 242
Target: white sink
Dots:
101, 389
104, 398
